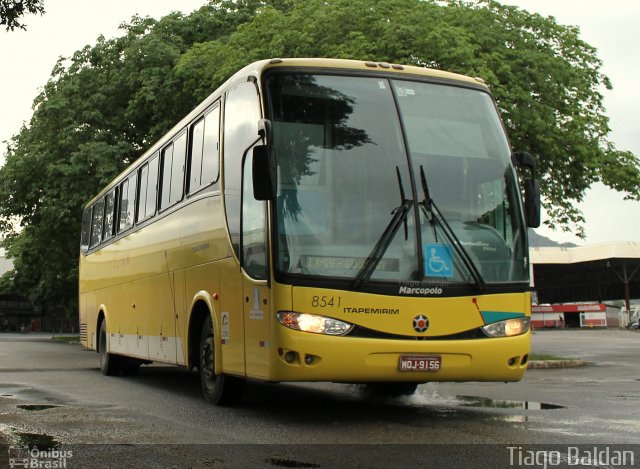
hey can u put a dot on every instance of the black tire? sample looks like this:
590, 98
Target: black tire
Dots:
218, 389
391, 389
110, 364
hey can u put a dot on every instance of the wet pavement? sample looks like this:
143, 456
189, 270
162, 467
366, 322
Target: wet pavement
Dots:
52, 395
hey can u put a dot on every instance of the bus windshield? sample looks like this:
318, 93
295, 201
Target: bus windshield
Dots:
362, 161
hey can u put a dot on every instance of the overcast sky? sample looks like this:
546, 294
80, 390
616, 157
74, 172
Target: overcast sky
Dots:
610, 26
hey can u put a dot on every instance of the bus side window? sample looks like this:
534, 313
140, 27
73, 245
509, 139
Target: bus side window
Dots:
211, 151
195, 161
127, 202
86, 230
167, 158
109, 215
205, 157
173, 159
152, 186
96, 223
148, 189
242, 112
143, 177
177, 169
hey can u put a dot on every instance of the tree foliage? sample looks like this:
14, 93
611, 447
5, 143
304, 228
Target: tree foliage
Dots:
108, 102
12, 10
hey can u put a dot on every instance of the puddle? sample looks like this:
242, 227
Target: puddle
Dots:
290, 463
36, 440
36, 407
474, 401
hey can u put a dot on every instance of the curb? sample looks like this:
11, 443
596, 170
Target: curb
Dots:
549, 364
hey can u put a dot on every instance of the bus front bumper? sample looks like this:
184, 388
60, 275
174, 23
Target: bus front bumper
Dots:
302, 356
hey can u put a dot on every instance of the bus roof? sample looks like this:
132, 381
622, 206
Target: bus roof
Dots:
256, 69
365, 66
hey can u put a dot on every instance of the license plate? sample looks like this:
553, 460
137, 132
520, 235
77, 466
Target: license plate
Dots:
419, 362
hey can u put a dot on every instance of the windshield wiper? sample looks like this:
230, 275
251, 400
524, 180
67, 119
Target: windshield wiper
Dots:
435, 216
399, 217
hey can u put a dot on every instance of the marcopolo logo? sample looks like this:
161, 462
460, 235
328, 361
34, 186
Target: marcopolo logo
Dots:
419, 290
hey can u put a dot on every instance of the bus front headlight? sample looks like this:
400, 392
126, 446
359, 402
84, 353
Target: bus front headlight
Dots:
313, 323
507, 328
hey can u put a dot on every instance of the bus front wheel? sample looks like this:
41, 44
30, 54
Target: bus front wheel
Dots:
109, 363
218, 389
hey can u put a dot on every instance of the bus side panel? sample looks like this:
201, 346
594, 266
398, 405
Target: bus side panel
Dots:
231, 335
87, 323
181, 329
157, 319
257, 329
129, 278
120, 317
201, 280
88, 310
200, 241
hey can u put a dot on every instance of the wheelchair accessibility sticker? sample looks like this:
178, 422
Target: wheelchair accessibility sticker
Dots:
438, 260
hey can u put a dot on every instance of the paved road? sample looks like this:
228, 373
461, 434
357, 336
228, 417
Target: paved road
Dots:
54, 394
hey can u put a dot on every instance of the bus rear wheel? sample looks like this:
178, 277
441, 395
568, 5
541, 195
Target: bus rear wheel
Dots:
109, 363
218, 389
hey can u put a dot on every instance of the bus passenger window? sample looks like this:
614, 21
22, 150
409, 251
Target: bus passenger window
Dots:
177, 169
86, 230
96, 223
148, 208
142, 192
210, 153
127, 203
173, 158
109, 215
167, 158
205, 158
195, 166
152, 187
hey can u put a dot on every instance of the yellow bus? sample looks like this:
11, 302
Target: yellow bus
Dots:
318, 220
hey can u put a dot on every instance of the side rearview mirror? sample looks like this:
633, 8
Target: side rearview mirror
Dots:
264, 130
531, 189
264, 172
532, 203
522, 158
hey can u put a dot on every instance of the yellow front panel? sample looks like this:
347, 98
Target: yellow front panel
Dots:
395, 314
365, 359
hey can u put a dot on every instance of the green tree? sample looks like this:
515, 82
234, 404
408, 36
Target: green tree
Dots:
98, 112
546, 80
108, 102
12, 10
